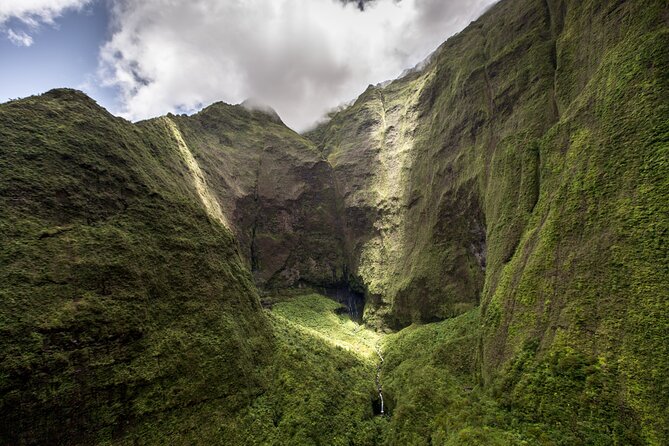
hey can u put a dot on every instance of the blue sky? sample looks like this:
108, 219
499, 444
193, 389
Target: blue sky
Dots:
63, 54
301, 57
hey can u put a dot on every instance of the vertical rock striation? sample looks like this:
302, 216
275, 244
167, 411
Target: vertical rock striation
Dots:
275, 190
521, 168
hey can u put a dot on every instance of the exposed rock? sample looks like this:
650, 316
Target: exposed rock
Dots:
275, 189
522, 168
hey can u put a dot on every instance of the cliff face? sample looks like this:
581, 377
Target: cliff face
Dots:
414, 265
521, 168
275, 190
121, 299
414, 230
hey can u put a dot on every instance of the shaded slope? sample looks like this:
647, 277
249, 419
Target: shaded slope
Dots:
429, 382
276, 191
120, 300
315, 391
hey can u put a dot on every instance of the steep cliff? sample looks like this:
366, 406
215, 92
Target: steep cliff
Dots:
276, 191
414, 232
121, 300
525, 167
507, 200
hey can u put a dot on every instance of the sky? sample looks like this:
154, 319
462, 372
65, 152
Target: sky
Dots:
145, 58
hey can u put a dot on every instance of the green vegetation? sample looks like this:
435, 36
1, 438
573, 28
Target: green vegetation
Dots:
504, 209
316, 315
590, 271
428, 378
120, 300
322, 379
539, 141
317, 388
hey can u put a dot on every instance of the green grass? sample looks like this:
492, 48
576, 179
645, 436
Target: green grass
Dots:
314, 315
324, 382
430, 382
321, 380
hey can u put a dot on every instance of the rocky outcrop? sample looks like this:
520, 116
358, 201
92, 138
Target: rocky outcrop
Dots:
276, 191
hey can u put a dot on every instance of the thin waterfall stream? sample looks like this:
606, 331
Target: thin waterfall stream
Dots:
353, 304
379, 388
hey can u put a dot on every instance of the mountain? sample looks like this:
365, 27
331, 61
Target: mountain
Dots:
121, 297
501, 210
275, 190
525, 169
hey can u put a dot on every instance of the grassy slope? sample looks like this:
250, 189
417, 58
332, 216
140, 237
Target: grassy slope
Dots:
429, 381
322, 379
316, 314
544, 122
120, 301
324, 383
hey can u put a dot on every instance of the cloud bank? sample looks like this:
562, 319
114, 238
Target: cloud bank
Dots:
31, 14
302, 57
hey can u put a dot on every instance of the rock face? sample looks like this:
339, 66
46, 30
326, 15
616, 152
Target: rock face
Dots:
414, 232
276, 191
522, 169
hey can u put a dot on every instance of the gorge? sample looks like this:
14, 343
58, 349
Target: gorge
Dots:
495, 221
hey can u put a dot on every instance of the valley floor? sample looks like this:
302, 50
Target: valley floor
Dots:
319, 388
325, 382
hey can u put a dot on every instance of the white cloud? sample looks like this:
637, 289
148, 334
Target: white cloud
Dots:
19, 38
302, 57
33, 13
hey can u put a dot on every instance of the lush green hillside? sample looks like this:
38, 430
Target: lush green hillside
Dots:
504, 209
525, 167
318, 387
128, 312
121, 301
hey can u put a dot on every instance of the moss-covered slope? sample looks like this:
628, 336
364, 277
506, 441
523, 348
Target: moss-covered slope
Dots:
121, 300
275, 190
318, 389
525, 167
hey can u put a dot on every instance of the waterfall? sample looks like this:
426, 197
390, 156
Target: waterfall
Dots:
379, 388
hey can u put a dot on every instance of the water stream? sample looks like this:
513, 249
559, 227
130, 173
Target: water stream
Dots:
354, 302
379, 388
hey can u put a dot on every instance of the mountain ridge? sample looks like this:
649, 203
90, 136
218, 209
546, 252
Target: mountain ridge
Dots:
514, 188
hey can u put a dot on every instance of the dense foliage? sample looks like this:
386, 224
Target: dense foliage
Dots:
532, 157
120, 300
504, 209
